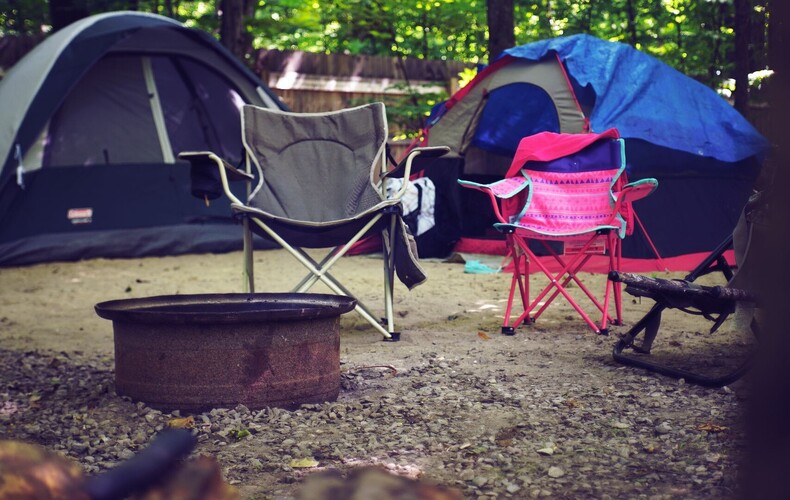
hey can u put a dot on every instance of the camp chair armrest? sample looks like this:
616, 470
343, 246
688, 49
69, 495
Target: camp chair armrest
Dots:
207, 159
202, 162
403, 169
636, 190
504, 188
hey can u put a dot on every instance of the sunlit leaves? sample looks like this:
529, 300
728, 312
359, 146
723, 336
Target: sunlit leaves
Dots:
695, 36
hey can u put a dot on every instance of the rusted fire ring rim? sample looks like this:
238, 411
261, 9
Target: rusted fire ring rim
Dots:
225, 308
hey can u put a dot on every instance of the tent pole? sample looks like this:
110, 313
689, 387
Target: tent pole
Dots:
156, 111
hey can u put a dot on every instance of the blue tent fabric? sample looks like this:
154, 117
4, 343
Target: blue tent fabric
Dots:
646, 99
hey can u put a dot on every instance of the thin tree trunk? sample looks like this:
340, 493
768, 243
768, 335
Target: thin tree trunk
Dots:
501, 34
588, 16
631, 26
231, 26
425, 32
743, 10
679, 41
716, 25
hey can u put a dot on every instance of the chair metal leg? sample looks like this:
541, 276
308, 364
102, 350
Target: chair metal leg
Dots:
614, 264
249, 275
559, 288
389, 278
322, 273
519, 280
572, 268
311, 279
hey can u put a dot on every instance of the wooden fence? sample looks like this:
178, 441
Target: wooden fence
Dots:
309, 82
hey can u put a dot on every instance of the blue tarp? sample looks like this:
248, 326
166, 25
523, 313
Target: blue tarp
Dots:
646, 99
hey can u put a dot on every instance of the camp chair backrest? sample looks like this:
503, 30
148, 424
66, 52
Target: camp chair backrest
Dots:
571, 195
315, 167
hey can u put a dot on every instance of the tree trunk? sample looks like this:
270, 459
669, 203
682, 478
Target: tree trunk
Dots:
64, 12
743, 10
767, 458
588, 17
718, 15
631, 13
231, 26
500, 27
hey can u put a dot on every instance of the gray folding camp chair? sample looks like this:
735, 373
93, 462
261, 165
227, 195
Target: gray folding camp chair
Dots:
321, 184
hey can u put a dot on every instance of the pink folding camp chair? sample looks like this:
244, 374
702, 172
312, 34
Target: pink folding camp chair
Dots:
571, 189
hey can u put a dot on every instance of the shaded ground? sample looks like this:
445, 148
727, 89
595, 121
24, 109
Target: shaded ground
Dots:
544, 413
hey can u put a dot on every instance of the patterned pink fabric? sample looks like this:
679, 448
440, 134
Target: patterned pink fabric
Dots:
506, 187
567, 204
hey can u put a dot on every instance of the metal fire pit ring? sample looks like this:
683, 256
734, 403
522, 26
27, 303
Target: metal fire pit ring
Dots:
195, 352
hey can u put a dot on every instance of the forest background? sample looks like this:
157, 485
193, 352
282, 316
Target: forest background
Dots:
721, 43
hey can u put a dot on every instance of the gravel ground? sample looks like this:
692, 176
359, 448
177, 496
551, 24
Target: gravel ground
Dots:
545, 413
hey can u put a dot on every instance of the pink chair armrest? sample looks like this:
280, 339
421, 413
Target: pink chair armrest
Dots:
505, 188
636, 190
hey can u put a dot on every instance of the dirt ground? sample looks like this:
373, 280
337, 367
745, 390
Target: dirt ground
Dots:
456, 315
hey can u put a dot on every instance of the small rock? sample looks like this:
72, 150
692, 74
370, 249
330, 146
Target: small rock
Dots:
663, 428
480, 481
556, 472
713, 457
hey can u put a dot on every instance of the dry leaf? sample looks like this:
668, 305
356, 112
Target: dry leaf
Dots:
711, 428
303, 463
505, 436
182, 423
483, 335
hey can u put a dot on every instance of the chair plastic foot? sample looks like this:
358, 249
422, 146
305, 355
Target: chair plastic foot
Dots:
604, 332
508, 330
394, 337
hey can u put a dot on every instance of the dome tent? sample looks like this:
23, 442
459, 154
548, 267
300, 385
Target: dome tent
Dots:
704, 154
93, 120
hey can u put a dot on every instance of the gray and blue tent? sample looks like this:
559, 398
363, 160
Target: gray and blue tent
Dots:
92, 123
704, 154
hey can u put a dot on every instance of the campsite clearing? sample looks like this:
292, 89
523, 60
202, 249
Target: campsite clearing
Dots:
544, 413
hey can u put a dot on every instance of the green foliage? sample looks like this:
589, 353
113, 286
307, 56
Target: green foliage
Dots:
694, 36
408, 109
22, 17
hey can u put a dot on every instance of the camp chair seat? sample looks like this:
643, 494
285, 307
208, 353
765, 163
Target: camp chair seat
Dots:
321, 183
566, 188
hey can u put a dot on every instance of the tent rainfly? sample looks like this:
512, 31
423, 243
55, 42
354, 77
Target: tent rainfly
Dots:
93, 120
